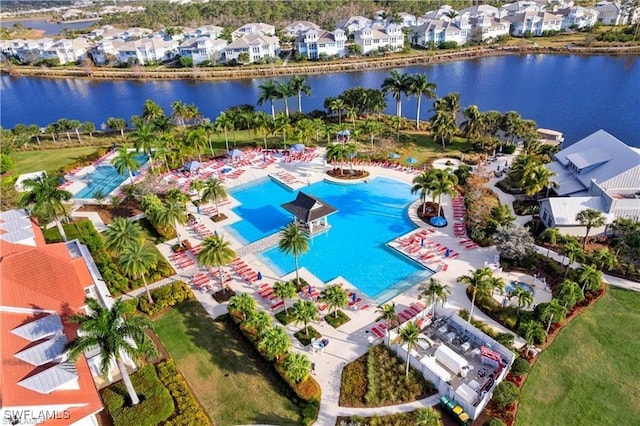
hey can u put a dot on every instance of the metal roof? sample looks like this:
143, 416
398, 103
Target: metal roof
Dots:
40, 328
51, 379
42, 353
590, 157
17, 228
565, 209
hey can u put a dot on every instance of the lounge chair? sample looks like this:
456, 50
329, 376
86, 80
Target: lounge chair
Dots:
277, 305
379, 334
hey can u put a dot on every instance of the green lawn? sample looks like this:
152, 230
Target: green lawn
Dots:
228, 384
49, 159
589, 374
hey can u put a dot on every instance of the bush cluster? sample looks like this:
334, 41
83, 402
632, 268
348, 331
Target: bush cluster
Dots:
164, 297
336, 321
354, 382
188, 410
520, 367
156, 404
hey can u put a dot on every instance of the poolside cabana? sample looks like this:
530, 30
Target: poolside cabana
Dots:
310, 212
19, 185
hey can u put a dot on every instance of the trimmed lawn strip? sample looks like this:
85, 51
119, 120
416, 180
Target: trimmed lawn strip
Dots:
588, 371
227, 382
49, 159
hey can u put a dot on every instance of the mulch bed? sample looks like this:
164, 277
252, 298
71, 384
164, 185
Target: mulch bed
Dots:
347, 174
223, 295
107, 212
431, 210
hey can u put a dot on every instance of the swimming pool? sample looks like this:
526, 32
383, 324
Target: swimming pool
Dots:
104, 179
369, 215
511, 287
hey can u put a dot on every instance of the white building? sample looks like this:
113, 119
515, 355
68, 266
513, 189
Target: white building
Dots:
68, 51
147, 50
354, 23
598, 172
577, 17
210, 31
372, 39
256, 46
534, 23
613, 13
435, 32
485, 28
298, 28
315, 44
253, 28
202, 49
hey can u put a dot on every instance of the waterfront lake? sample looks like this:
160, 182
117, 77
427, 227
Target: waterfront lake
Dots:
49, 28
576, 95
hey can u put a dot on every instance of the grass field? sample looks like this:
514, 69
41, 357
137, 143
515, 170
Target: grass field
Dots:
228, 384
589, 374
49, 159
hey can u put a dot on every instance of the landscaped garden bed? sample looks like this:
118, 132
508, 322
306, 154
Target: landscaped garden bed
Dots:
430, 210
346, 174
306, 335
285, 317
417, 417
223, 295
337, 318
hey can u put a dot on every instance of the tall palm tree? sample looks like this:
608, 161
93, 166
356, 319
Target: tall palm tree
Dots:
282, 124
304, 312
172, 214
573, 252
125, 162
590, 277
259, 321
338, 105
117, 124
151, 111
197, 185
136, 260
268, 93
372, 128
570, 293
213, 190
243, 303
445, 184
428, 417
224, 123
216, 252
449, 104
410, 334
424, 184
523, 297
297, 367
553, 312
532, 332
336, 152
433, 291
443, 128
473, 125
387, 312
590, 218
197, 139
263, 125
285, 290
44, 200
144, 139
420, 86
552, 235
179, 113
113, 334
122, 233
479, 281
336, 297
536, 178
299, 86
293, 240
274, 343
397, 84
209, 128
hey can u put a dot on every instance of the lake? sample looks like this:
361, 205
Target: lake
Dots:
49, 28
576, 95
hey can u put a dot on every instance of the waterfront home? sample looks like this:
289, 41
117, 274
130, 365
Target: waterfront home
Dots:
106, 52
318, 43
613, 13
577, 18
32, 50
534, 23
373, 39
254, 28
105, 32
445, 11
210, 31
598, 172
520, 7
408, 20
484, 10
252, 48
486, 27
298, 28
172, 33
147, 50
67, 51
40, 286
202, 49
435, 32
12, 47
354, 23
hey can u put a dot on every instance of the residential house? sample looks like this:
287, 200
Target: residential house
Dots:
256, 46
68, 51
484, 10
210, 31
106, 32
613, 13
106, 52
315, 44
354, 24
445, 11
202, 49
435, 32
41, 285
534, 23
408, 20
173, 33
519, 7
486, 27
254, 28
33, 50
598, 172
577, 18
134, 33
298, 28
147, 50
371, 39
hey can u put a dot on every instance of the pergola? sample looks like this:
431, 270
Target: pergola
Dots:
311, 212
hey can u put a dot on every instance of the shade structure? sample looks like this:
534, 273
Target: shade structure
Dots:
298, 147
235, 153
411, 160
394, 155
438, 221
192, 166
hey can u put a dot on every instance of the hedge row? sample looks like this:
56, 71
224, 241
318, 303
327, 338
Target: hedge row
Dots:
164, 297
156, 404
188, 410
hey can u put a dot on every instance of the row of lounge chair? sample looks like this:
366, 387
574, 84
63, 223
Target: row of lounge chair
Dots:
405, 315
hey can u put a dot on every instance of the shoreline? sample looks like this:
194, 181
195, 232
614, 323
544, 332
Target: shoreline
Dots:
273, 70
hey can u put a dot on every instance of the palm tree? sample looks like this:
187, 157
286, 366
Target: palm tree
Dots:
259, 321
389, 315
473, 125
299, 86
117, 124
126, 162
285, 290
604, 258
244, 304
224, 123
433, 291
553, 312
136, 260
197, 139
336, 152
372, 128
350, 151
263, 124
445, 184
443, 128
151, 111
282, 124
179, 113
552, 235
570, 293
590, 218
172, 214
424, 184
590, 277
285, 92
410, 334
274, 343
536, 178
532, 332
573, 252
338, 105
523, 296
296, 367
268, 92
294, 240
45, 200
304, 312
428, 417
420, 86
122, 233
216, 252
113, 334
449, 104
144, 139
75, 125
213, 190
397, 84
197, 185
336, 297
480, 283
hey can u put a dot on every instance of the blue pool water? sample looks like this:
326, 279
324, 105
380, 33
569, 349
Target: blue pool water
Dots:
369, 216
510, 287
104, 179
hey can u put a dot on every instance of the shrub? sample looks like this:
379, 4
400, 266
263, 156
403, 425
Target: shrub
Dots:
508, 149
520, 367
6, 163
506, 393
156, 404
164, 297
336, 322
494, 421
354, 383
188, 410
305, 338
